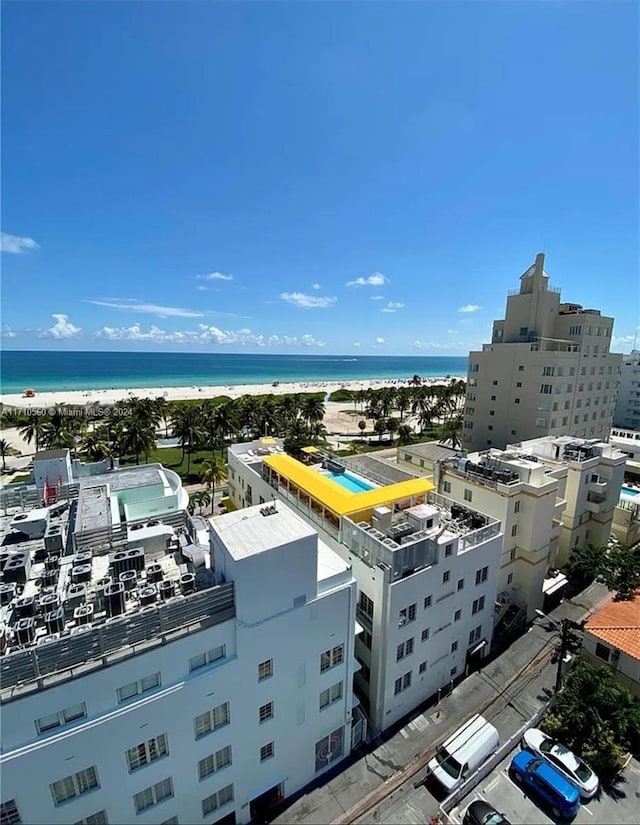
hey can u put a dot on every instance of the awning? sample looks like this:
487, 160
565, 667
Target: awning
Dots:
477, 648
550, 586
310, 450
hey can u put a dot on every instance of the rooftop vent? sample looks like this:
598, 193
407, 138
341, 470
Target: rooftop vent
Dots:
269, 510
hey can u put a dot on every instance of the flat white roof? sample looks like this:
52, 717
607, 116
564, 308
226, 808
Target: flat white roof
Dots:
329, 562
248, 532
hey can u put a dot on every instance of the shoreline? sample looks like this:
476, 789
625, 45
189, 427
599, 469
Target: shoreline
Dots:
113, 396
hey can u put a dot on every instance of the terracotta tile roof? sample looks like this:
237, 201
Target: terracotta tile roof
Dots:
618, 624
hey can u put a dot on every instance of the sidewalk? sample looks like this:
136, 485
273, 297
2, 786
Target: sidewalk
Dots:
364, 780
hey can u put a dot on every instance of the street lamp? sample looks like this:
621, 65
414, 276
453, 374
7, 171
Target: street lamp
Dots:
563, 628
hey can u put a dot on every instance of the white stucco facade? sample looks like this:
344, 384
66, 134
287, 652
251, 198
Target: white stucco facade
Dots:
627, 411
280, 712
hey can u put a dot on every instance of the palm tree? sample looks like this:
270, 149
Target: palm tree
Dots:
403, 401
380, 427
187, 427
194, 501
213, 472
392, 426
423, 407
362, 426
222, 423
452, 432
138, 438
415, 381
204, 499
361, 397
161, 406
95, 446
5, 450
405, 434
312, 410
34, 430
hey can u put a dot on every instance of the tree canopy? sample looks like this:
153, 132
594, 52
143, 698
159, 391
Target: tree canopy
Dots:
617, 567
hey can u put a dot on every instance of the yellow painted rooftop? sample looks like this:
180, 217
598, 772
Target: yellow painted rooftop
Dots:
336, 498
310, 449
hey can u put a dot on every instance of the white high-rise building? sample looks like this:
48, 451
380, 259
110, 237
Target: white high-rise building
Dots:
427, 569
199, 679
547, 371
627, 412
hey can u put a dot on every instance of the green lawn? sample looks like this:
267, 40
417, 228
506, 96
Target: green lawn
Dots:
19, 478
171, 457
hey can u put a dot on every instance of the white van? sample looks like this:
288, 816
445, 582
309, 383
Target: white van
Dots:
464, 752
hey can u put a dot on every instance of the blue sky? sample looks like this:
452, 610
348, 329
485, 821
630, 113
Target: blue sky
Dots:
298, 176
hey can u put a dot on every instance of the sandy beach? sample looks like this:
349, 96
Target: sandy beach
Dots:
113, 396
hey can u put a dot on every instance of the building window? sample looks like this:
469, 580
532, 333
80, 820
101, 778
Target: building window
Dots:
365, 638
520, 367
265, 712
407, 614
457, 615
548, 371
203, 659
9, 814
492, 412
365, 604
402, 683
460, 584
447, 486
512, 554
425, 634
62, 717
213, 719
524, 330
331, 658
147, 752
446, 576
514, 530
475, 634
329, 749
482, 575
74, 785
546, 389
448, 550
516, 400
516, 506
265, 670
214, 762
217, 800
478, 605
518, 384
427, 601
509, 578
331, 695
603, 652
454, 647
513, 432
99, 818
468, 495
490, 427
404, 649
493, 397
495, 383
267, 751
137, 688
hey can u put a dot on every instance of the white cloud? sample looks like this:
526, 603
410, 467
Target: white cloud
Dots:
356, 344
299, 299
15, 244
624, 341
215, 276
7, 332
392, 306
132, 305
377, 279
469, 308
316, 286
202, 288
63, 328
377, 297
379, 340
453, 331
206, 334
440, 345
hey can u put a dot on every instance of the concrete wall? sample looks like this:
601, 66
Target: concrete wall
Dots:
626, 669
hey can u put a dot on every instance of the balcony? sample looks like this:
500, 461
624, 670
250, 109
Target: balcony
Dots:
594, 505
598, 487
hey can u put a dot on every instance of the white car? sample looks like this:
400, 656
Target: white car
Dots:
564, 760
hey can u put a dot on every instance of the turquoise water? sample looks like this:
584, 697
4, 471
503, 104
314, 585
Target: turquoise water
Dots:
52, 371
350, 483
629, 491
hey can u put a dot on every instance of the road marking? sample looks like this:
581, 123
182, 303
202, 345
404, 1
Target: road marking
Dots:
587, 810
492, 784
421, 723
404, 733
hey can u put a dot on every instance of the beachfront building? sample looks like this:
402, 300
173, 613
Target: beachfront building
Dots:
628, 442
547, 371
627, 411
426, 567
198, 680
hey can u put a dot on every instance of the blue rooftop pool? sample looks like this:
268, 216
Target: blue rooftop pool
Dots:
349, 482
629, 491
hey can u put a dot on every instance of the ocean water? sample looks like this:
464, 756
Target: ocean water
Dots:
51, 371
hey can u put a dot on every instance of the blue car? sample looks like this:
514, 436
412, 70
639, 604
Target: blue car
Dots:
537, 775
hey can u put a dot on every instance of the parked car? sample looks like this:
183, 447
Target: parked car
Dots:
463, 752
564, 760
481, 813
551, 786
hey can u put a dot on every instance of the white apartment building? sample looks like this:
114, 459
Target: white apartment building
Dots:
627, 412
201, 680
547, 370
427, 570
628, 442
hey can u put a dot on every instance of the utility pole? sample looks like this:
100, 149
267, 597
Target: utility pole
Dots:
564, 636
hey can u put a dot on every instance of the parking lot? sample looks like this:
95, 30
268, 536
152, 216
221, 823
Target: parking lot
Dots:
619, 807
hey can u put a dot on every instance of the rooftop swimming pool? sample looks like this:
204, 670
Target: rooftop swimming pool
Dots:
349, 482
629, 491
